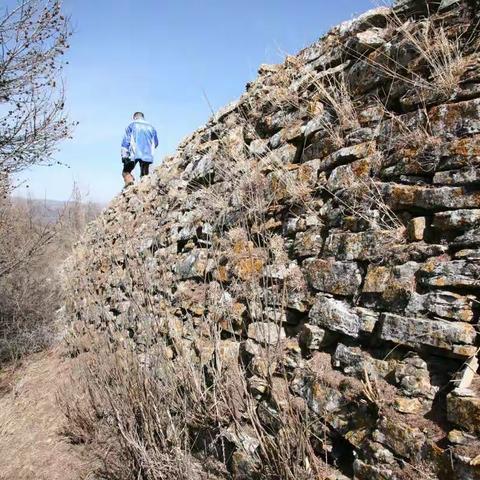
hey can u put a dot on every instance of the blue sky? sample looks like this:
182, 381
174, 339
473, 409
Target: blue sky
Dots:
158, 56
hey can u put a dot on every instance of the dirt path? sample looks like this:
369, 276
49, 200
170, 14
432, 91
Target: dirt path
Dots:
31, 447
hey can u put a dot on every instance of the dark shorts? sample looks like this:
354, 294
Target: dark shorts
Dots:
129, 165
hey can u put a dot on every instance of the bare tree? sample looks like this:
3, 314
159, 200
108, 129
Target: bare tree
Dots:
33, 39
34, 36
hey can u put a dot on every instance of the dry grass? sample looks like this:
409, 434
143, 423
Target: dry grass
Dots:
33, 243
365, 202
442, 53
335, 93
166, 414
142, 416
440, 62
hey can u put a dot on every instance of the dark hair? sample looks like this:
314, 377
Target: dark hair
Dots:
138, 115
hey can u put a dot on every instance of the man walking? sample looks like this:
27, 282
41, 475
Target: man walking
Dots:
139, 143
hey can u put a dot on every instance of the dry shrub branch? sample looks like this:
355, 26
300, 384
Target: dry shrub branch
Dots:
34, 36
34, 240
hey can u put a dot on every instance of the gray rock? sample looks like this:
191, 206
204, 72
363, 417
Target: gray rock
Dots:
266, 333
312, 337
345, 176
319, 146
421, 331
400, 197
192, 265
470, 239
224, 111
338, 316
353, 361
317, 123
403, 439
376, 17
361, 135
468, 254
413, 378
464, 411
258, 147
411, 7
325, 400
278, 157
443, 304
277, 315
369, 245
369, 318
367, 40
377, 278
365, 471
456, 219
365, 75
276, 140
347, 155
309, 243
466, 176
446, 4
340, 278
202, 166
455, 273
456, 119
243, 437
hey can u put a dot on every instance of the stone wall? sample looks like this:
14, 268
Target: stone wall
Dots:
331, 214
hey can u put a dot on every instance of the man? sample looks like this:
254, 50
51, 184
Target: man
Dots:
139, 143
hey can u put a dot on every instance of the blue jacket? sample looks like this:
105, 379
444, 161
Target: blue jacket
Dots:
140, 141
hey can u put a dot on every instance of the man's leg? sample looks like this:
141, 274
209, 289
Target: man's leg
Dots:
128, 166
144, 168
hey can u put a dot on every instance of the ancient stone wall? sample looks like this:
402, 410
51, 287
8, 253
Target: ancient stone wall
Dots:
332, 215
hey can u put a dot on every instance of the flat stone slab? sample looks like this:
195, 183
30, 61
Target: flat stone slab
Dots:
400, 197
421, 331
455, 273
456, 219
340, 278
268, 333
339, 316
366, 245
444, 304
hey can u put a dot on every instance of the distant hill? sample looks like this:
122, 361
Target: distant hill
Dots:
50, 211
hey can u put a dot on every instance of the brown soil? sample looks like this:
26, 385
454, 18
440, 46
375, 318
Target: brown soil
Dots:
31, 444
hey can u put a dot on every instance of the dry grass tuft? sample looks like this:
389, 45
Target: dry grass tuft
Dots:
143, 415
440, 60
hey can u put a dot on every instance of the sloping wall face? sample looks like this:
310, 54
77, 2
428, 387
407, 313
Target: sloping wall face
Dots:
328, 225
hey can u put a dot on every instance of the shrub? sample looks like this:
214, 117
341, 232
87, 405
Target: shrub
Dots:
34, 241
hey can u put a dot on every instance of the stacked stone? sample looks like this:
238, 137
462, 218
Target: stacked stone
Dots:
350, 245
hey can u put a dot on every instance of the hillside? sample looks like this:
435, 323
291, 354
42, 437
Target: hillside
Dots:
51, 211
294, 293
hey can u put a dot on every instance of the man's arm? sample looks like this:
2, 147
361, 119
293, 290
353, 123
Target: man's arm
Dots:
155, 138
126, 142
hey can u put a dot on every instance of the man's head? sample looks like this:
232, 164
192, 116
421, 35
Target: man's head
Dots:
138, 116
